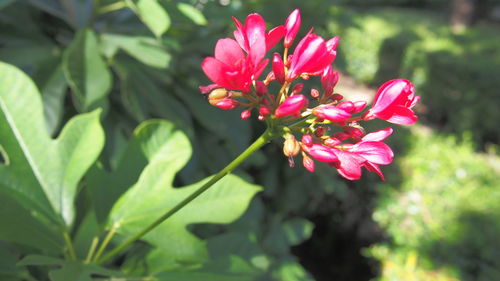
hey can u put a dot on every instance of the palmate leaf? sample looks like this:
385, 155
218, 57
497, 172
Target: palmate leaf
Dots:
70, 270
39, 176
167, 150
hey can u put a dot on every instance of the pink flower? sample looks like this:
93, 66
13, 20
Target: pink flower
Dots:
311, 56
230, 68
370, 152
332, 113
292, 26
252, 36
394, 102
292, 106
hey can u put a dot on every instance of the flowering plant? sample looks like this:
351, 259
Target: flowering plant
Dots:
330, 126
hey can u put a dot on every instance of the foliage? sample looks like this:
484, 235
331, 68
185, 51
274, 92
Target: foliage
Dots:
446, 195
454, 73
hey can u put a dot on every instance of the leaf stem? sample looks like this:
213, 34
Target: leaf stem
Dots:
105, 243
92, 249
69, 246
266, 137
113, 7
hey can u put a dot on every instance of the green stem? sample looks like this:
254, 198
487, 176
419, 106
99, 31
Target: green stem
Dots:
92, 249
69, 246
266, 137
113, 7
105, 243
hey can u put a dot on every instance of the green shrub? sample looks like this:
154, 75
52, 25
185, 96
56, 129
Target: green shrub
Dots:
444, 213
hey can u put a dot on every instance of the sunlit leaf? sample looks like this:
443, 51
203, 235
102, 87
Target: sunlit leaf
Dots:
38, 182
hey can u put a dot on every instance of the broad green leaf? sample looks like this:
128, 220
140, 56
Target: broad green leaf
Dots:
167, 151
153, 15
69, 270
42, 173
53, 90
146, 50
192, 13
86, 71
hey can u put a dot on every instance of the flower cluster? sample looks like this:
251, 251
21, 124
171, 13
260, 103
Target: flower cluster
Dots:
329, 126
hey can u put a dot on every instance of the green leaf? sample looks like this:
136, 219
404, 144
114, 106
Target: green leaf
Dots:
86, 71
146, 50
153, 15
41, 173
167, 151
69, 270
192, 13
53, 90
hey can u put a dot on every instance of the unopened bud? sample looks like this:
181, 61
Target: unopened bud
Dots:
217, 95
291, 146
261, 88
331, 142
308, 163
307, 140
297, 88
292, 106
320, 131
264, 110
314, 93
359, 106
337, 97
245, 114
278, 68
227, 104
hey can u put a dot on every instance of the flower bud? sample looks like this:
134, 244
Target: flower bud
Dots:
217, 95
261, 88
348, 106
292, 106
332, 113
319, 132
359, 106
227, 104
264, 110
245, 114
337, 97
307, 140
308, 163
329, 79
297, 88
331, 141
291, 146
314, 93
278, 68
292, 26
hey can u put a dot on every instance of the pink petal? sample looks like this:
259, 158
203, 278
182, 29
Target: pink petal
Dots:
402, 116
214, 69
379, 135
374, 168
374, 151
388, 93
349, 165
228, 51
322, 153
274, 36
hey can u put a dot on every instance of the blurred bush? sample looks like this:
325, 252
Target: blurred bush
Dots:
443, 218
454, 73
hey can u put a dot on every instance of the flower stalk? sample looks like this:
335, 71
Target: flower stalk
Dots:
266, 137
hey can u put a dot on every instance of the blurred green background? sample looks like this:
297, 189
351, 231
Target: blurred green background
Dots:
438, 215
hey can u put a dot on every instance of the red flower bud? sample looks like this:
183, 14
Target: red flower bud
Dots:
307, 140
227, 104
332, 113
292, 26
292, 106
308, 163
245, 114
278, 68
